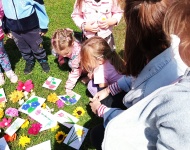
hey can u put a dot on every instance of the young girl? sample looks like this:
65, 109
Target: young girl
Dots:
97, 17
103, 65
4, 60
65, 44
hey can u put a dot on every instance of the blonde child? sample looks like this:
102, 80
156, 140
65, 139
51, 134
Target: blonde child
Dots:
97, 17
103, 65
65, 45
4, 60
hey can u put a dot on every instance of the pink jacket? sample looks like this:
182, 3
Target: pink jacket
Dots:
74, 64
93, 11
1, 17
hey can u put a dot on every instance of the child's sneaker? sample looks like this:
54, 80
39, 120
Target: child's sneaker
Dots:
2, 80
12, 76
45, 66
28, 67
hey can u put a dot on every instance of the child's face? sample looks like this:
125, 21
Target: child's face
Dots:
66, 52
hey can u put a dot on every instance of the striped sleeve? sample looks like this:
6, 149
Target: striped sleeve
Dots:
101, 110
114, 88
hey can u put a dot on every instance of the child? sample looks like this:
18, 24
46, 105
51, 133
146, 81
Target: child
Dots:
27, 22
103, 65
161, 120
4, 60
97, 17
65, 45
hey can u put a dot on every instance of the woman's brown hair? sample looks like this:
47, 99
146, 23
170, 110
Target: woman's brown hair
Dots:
95, 47
145, 38
177, 21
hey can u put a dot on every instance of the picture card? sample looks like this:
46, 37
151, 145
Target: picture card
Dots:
31, 104
76, 136
2, 96
65, 118
42, 146
70, 100
14, 126
3, 144
51, 83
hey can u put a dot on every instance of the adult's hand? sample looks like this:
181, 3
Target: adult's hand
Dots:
95, 104
101, 94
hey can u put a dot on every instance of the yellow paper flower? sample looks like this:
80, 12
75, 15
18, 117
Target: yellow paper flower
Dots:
55, 128
15, 96
24, 140
78, 112
2, 105
25, 124
44, 105
52, 98
79, 132
60, 136
1, 113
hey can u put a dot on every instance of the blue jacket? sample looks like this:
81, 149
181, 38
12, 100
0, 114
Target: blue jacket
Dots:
24, 15
160, 121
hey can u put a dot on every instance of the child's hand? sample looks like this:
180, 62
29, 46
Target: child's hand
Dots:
101, 94
106, 23
42, 33
9, 35
91, 26
69, 92
90, 75
95, 104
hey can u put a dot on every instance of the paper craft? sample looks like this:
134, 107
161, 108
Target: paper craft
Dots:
44, 117
2, 96
76, 136
65, 118
31, 104
70, 100
14, 126
3, 144
42, 146
51, 83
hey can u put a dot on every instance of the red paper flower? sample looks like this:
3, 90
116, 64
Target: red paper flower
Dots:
5, 122
34, 129
10, 138
27, 86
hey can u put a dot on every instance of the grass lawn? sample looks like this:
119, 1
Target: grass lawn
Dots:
59, 13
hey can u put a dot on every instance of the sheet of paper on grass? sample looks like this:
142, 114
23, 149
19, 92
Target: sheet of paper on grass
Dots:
3, 144
44, 117
51, 83
14, 126
70, 100
65, 118
31, 104
2, 96
76, 136
42, 146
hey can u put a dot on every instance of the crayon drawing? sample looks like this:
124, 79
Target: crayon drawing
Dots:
51, 83
2, 96
70, 100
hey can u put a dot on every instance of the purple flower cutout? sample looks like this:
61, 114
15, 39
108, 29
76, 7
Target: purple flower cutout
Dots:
59, 103
11, 112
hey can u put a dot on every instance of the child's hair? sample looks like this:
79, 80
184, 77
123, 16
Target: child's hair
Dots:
96, 47
177, 21
145, 37
62, 39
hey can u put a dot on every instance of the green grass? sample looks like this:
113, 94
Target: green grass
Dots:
59, 13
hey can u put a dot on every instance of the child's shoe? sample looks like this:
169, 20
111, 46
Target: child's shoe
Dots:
12, 76
45, 66
2, 80
28, 67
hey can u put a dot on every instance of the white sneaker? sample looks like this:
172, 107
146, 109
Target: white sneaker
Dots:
12, 76
2, 80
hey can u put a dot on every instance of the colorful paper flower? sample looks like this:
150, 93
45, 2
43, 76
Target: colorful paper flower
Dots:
55, 128
25, 86
23, 141
15, 96
25, 124
52, 98
60, 103
5, 122
11, 112
10, 138
25, 106
2, 104
34, 129
78, 112
43, 105
1, 113
60, 136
